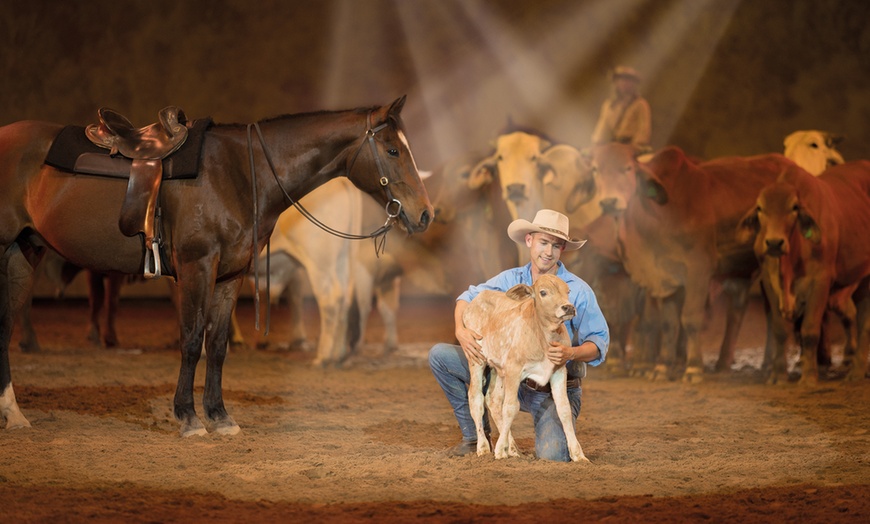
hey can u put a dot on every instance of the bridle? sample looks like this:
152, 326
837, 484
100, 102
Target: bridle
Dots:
379, 235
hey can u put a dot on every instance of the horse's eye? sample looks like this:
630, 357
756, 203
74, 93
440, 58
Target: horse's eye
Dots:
393, 152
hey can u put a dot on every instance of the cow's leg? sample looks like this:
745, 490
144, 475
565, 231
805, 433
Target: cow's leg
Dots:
298, 333
810, 335
113, 299
16, 279
475, 405
647, 342
510, 408
692, 313
669, 324
217, 337
96, 300
388, 306
858, 366
559, 388
737, 293
333, 289
196, 285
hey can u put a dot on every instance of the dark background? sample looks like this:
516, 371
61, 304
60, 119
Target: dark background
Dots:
723, 77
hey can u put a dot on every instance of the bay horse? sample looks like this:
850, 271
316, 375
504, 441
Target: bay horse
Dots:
212, 225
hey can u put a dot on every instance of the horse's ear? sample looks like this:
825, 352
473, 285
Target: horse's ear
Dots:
397, 105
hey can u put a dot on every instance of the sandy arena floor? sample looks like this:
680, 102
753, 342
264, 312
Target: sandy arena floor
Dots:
365, 443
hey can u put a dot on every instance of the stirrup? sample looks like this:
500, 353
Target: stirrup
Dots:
152, 261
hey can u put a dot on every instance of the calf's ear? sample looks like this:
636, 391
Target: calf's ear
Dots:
519, 292
809, 229
748, 226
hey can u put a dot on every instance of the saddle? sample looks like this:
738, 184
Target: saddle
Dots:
146, 147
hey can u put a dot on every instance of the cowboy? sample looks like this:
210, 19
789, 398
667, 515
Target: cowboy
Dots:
625, 116
547, 238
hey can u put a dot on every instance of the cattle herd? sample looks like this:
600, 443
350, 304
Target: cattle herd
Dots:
665, 229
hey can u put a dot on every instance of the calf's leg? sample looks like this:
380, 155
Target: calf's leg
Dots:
559, 388
475, 404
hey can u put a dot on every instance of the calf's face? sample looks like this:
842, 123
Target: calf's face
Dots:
551, 299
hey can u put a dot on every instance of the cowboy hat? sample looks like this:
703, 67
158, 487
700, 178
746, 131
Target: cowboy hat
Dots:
626, 72
546, 221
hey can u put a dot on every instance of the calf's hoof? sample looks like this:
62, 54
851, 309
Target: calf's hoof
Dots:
16, 421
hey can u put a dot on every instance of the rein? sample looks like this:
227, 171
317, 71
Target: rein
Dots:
380, 233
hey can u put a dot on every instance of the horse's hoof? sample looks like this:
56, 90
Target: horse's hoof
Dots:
193, 428
29, 347
226, 426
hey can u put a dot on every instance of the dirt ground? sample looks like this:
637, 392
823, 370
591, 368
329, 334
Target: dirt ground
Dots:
365, 443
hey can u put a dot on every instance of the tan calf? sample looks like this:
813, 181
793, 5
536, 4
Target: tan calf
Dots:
517, 327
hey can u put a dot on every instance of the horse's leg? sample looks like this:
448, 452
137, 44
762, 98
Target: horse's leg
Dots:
113, 298
16, 278
194, 293
216, 342
96, 299
28, 343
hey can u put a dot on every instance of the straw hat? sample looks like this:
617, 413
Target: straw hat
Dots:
546, 221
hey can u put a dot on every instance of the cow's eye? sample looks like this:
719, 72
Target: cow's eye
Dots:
544, 292
393, 152
795, 208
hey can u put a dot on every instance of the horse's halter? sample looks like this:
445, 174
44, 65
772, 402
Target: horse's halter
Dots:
380, 233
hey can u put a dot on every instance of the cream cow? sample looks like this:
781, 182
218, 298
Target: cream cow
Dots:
516, 328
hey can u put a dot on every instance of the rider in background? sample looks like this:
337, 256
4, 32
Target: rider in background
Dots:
625, 116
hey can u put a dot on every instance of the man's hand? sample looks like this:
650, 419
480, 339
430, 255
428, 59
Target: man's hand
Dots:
468, 339
559, 353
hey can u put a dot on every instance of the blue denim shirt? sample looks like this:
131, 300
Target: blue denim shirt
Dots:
587, 324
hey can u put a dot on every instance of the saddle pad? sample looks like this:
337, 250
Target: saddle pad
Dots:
72, 151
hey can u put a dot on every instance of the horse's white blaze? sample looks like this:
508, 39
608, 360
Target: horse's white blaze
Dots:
408, 147
9, 410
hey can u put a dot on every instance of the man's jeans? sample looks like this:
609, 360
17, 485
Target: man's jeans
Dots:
450, 367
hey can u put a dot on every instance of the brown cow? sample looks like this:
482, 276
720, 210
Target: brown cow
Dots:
679, 234
517, 327
809, 235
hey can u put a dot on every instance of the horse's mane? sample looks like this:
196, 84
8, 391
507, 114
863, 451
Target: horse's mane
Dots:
306, 114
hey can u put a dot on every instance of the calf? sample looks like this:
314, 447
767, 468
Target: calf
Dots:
517, 327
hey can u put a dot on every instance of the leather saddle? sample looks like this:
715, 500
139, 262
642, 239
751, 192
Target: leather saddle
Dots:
146, 147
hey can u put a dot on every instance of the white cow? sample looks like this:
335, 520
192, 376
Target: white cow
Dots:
813, 150
299, 247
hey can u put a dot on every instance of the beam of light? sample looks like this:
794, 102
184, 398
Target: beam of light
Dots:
529, 80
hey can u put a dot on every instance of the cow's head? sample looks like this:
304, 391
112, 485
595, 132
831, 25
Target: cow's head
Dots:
778, 220
813, 150
614, 172
526, 165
